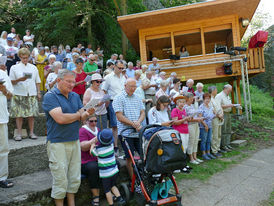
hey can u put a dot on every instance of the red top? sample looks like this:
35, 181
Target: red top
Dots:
85, 135
182, 128
80, 88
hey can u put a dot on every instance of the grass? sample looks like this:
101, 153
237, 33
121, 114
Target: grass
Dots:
270, 201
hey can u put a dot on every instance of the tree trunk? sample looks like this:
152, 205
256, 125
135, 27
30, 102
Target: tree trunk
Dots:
90, 39
124, 38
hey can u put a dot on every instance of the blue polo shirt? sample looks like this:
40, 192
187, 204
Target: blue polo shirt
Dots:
61, 132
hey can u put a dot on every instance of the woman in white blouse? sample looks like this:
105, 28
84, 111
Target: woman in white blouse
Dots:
159, 113
24, 103
3, 39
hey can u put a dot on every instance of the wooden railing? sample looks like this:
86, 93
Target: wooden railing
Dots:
255, 58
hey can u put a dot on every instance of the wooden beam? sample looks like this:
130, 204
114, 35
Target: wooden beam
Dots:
251, 57
143, 50
218, 28
203, 41
256, 58
172, 43
158, 36
239, 93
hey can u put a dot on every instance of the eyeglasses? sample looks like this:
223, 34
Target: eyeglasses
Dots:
97, 81
92, 121
121, 68
70, 82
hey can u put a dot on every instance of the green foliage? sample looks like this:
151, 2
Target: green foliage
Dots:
172, 3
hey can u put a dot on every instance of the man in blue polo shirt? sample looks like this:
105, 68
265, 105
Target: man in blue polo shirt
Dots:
64, 114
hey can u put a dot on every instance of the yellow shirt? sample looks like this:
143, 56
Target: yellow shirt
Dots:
224, 100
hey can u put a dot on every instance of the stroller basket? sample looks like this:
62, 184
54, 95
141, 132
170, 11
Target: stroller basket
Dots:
163, 152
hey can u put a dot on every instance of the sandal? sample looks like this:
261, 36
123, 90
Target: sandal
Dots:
32, 136
93, 202
6, 184
18, 137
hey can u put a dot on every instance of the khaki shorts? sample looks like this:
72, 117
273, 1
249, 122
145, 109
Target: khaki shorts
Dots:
65, 167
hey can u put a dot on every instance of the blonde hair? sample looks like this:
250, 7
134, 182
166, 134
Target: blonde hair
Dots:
23, 51
199, 84
138, 72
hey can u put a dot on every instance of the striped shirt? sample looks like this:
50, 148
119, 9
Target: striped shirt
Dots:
130, 106
106, 160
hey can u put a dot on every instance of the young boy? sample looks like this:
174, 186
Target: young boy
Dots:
180, 123
108, 169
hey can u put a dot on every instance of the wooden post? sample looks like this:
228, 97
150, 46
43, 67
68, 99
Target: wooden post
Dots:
172, 43
203, 41
231, 82
239, 93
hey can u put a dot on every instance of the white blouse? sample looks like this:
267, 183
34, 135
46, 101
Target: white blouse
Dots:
27, 87
157, 117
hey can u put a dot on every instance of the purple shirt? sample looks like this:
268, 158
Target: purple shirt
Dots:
85, 135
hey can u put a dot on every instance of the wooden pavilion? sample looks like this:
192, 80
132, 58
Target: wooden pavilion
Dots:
206, 29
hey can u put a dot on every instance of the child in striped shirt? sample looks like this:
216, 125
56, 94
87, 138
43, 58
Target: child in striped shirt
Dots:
108, 169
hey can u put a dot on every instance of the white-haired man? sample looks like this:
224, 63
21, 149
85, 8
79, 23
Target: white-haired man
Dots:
90, 66
130, 70
154, 66
130, 113
225, 101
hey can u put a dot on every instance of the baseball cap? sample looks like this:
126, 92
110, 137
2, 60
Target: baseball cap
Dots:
9, 39
105, 137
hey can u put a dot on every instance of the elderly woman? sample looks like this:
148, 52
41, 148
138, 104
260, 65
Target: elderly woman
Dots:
188, 87
3, 39
95, 92
193, 128
72, 65
138, 65
159, 113
89, 165
163, 88
206, 127
24, 103
144, 69
48, 69
41, 62
199, 93
137, 75
52, 77
80, 85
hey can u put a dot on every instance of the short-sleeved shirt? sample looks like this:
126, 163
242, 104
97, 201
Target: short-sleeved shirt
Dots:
153, 67
130, 73
182, 128
80, 88
61, 132
4, 114
157, 117
71, 66
27, 87
215, 104
207, 113
114, 84
224, 100
130, 106
90, 67
191, 111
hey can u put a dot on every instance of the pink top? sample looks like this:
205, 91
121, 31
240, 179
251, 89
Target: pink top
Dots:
80, 88
182, 128
85, 135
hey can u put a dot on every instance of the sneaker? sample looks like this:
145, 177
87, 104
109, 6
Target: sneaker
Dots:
222, 151
205, 157
229, 147
185, 170
18, 138
194, 162
199, 160
189, 168
211, 156
217, 154
176, 171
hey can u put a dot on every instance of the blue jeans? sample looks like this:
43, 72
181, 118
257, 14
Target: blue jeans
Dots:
205, 139
111, 115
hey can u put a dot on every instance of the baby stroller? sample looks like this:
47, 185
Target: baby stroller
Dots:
161, 153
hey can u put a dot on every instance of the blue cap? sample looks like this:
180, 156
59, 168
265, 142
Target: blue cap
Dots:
9, 39
105, 137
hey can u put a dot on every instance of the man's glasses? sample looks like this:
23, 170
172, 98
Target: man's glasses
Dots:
92, 121
121, 68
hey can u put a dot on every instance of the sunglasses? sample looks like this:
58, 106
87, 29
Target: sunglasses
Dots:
92, 121
98, 82
121, 68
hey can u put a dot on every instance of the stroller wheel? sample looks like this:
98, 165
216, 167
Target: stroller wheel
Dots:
125, 193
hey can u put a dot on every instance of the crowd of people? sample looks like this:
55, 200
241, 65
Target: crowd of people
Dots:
125, 96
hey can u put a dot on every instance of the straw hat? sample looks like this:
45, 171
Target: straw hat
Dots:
178, 97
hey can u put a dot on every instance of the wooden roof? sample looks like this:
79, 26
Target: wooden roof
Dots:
130, 24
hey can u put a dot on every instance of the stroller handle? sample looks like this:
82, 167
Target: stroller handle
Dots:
147, 127
126, 129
